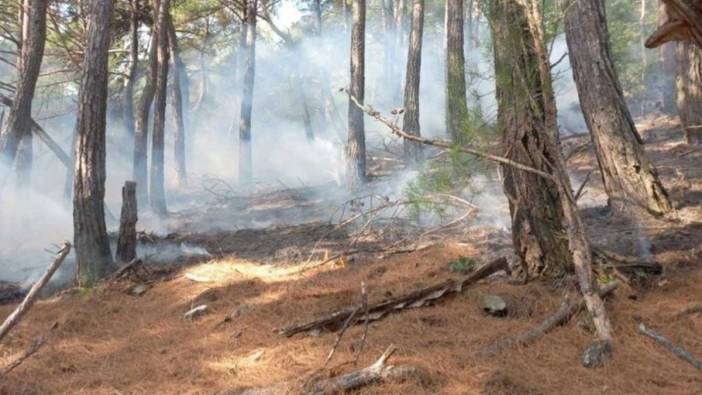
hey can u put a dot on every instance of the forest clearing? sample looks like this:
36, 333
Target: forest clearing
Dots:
322, 197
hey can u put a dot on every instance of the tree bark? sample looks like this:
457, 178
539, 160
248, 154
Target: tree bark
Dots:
668, 67
629, 178
689, 91
456, 103
413, 150
356, 146
528, 137
157, 193
245, 149
179, 79
126, 241
527, 115
93, 256
141, 132
128, 105
17, 135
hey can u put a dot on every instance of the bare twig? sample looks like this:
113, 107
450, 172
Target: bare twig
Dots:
28, 301
694, 309
29, 352
678, 351
582, 186
364, 302
349, 322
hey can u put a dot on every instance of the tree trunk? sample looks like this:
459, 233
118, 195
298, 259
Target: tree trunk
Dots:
317, 8
666, 53
413, 150
128, 106
245, 154
456, 103
141, 132
156, 188
17, 130
642, 41
468, 31
356, 147
203, 67
399, 30
528, 137
126, 242
629, 178
92, 246
179, 75
542, 212
689, 91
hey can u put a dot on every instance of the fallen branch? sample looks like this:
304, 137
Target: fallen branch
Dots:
579, 193
29, 352
694, 309
28, 301
678, 351
560, 317
413, 299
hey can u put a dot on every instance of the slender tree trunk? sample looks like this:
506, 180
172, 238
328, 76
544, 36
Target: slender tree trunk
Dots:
666, 53
642, 40
468, 33
413, 150
18, 126
203, 68
141, 132
245, 154
548, 232
157, 193
629, 178
389, 50
128, 106
317, 8
93, 256
356, 146
399, 30
179, 75
456, 103
475, 34
689, 91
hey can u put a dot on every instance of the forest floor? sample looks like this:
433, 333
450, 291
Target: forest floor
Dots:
109, 341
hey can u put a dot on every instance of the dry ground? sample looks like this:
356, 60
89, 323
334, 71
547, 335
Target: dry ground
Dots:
110, 342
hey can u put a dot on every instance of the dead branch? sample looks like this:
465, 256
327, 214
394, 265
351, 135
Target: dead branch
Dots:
28, 301
568, 309
678, 351
29, 352
364, 303
442, 144
349, 322
124, 269
694, 309
413, 299
579, 193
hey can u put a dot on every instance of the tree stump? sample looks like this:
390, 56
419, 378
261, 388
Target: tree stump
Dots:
126, 243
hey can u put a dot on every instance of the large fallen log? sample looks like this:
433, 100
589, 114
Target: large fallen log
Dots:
28, 301
568, 309
416, 298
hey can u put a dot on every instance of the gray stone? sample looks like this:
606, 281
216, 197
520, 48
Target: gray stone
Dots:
138, 290
596, 354
493, 305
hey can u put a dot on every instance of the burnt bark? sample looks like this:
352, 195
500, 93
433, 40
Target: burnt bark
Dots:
245, 149
689, 91
356, 146
93, 256
413, 150
528, 137
126, 241
157, 193
629, 178
17, 135
456, 103
141, 132
128, 105
179, 81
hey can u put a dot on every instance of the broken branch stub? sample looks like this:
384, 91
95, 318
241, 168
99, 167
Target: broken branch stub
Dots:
417, 298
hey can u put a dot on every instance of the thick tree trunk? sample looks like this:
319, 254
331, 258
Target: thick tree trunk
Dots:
356, 146
245, 149
528, 137
413, 150
689, 91
179, 76
92, 246
629, 178
17, 131
527, 116
141, 132
157, 193
456, 103
126, 242
666, 53
128, 106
